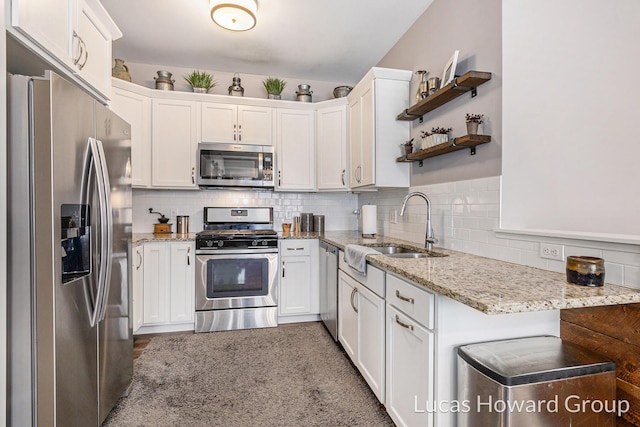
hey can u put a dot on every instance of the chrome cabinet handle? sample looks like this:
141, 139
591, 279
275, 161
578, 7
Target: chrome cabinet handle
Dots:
295, 249
279, 180
404, 325
189, 255
76, 60
342, 176
86, 54
407, 299
234, 132
239, 133
193, 175
353, 294
139, 258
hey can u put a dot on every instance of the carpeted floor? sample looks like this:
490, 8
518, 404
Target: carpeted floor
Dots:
292, 375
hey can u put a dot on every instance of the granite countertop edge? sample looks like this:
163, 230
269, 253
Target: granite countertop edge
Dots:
485, 284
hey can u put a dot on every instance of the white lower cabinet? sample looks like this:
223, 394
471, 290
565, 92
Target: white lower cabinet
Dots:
410, 353
168, 286
299, 290
136, 287
361, 330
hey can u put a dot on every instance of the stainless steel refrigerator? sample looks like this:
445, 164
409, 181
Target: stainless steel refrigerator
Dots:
70, 348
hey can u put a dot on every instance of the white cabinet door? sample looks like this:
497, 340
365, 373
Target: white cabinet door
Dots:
174, 143
409, 368
156, 283
355, 142
371, 340
295, 289
137, 293
182, 282
295, 150
92, 46
255, 125
348, 315
299, 290
136, 109
374, 132
236, 124
219, 123
45, 22
331, 142
368, 147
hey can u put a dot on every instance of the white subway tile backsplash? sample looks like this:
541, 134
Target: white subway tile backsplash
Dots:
465, 215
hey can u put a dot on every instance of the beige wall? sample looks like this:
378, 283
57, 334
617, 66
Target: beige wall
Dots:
474, 28
3, 220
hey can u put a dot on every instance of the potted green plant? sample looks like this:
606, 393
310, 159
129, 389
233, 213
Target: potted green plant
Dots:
200, 81
407, 147
274, 87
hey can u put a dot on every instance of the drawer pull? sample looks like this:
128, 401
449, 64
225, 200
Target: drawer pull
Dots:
295, 249
404, 325
409, 300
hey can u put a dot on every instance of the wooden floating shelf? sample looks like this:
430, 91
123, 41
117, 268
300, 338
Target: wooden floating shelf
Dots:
459, 86
467, 141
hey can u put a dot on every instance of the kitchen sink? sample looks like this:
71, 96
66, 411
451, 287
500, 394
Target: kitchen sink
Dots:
402, 252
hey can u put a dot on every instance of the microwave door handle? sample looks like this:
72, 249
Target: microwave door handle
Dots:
106, 228
261, 166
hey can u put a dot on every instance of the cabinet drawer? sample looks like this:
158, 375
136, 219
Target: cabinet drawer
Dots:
374, 280
411, 300
297, 247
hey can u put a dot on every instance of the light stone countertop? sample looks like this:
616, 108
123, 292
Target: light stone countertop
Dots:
164, 237
488, 285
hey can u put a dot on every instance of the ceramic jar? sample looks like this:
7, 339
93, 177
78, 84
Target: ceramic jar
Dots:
120, 71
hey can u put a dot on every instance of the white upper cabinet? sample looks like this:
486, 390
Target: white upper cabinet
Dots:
47, 23
331, 143
374, 133
295, 150
174, 143
236, 124
91, 48
135, 109
77, 34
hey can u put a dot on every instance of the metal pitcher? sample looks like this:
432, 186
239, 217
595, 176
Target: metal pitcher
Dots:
164, 80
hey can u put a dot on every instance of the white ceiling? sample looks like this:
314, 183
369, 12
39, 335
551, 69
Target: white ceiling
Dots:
326, 40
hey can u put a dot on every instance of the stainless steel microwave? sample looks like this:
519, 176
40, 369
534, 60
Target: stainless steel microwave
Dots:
233, 165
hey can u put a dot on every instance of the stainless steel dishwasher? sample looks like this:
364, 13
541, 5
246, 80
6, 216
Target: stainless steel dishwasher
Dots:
329, 287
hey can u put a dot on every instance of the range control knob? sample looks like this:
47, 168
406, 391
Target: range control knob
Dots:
264, 242
220, 243
254, 242
209, 243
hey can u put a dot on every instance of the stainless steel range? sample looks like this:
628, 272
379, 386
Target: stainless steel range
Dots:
236, 270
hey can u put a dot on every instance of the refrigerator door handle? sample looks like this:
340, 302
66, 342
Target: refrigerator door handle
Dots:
94, 162
106, 228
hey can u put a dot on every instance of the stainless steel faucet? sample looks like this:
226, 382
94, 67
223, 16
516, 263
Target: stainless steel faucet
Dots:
429, 239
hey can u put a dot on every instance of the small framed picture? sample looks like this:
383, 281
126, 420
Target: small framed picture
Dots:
450, 69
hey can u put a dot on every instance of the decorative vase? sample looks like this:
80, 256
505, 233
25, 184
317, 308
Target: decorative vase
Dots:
200, 90
274, 96
472, 128
236, 88
120, 71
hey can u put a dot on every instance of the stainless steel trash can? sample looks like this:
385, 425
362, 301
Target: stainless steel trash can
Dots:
535, 381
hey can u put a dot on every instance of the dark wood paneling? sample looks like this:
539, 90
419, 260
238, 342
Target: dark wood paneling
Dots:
618, 321
613, 332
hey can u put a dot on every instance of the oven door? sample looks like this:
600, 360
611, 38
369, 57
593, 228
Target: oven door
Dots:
236, 279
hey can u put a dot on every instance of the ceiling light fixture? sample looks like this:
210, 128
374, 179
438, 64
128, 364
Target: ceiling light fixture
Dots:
235, 15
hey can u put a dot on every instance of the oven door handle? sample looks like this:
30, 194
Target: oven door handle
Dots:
282, 268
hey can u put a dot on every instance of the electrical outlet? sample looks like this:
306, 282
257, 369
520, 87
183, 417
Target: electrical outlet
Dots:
393, 216
549, 251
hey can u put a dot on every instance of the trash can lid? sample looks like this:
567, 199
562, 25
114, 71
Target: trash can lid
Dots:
533, 360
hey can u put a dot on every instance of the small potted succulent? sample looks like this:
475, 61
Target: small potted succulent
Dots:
426, 140
407, 147
473, 120
274, 87
200, 81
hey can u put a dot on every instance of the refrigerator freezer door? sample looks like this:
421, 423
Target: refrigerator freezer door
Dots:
115, 329
66, 343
